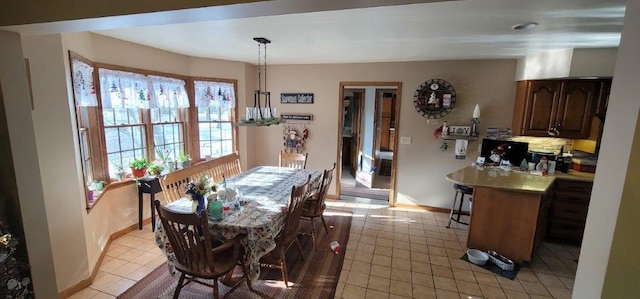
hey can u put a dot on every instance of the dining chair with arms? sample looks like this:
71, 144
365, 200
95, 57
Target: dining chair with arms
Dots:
293, 160
315, 205
276, 259
197, 254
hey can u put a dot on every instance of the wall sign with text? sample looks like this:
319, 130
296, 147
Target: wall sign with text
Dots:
296, 98
297, 116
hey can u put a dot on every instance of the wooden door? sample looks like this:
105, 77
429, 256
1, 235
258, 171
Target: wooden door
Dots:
356, 129
540, 107
385, 122
574, 115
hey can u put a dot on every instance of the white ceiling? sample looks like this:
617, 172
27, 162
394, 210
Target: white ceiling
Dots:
472, 29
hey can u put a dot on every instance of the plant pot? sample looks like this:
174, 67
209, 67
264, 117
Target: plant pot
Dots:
138, 173
171, 165
185, 164
120, 175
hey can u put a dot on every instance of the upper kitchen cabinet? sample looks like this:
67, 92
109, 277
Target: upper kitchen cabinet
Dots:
560, 108
603, 98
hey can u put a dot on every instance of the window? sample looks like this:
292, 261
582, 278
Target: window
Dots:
215, 101
136, 114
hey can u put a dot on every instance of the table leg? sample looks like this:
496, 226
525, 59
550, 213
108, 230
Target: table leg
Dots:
153, 214
139, 208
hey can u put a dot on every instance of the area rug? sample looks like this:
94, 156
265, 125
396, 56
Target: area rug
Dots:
373, 193
495, 269
315, 277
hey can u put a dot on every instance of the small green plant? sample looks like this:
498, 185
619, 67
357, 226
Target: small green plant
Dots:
118, 167
139, 164
183, 157
155, 169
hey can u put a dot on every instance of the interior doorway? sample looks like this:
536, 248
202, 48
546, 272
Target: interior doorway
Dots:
367, 139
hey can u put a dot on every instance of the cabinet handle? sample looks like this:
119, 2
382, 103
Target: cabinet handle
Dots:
553, 132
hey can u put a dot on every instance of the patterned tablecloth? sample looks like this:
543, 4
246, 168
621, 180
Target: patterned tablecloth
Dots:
265, 191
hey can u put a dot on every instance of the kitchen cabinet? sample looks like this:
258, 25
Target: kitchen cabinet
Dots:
560, 108
603, 98
569, 210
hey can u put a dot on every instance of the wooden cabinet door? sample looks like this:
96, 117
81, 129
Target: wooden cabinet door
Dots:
573, 119
540, 107
603, 98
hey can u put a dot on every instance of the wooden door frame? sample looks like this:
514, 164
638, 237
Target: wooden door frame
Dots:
360, 109
343, 84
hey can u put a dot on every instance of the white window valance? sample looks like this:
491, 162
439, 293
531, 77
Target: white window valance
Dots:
83, 88
121, 89
215, 94
167, 93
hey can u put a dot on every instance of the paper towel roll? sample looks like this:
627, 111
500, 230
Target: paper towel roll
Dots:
461, 148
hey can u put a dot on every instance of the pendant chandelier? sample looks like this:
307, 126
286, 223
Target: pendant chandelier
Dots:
261, 114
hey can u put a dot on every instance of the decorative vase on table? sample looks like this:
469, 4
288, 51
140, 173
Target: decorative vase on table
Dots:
197, 203
214, 207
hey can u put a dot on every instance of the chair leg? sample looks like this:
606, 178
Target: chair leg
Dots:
283, 265
299, 248
455, 198
216, 293
176, 293
313, 232
326, 228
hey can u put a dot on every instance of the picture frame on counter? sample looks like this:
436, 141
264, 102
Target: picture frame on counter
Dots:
296, 98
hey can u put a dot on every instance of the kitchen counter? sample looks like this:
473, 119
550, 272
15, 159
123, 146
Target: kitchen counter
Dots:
509, 209
496, 178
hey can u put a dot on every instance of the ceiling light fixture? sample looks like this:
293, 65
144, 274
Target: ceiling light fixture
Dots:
258, 115
524, 26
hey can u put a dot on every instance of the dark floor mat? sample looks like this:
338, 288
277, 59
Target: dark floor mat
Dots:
385, 167
495, 269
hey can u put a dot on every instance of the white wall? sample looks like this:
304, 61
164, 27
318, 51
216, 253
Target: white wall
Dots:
611, 179
593, 62
550, 64
26, 163
368, 134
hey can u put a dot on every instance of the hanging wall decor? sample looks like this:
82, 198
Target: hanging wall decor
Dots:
434, 98
294, 137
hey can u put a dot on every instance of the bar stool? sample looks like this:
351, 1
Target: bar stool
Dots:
462, 190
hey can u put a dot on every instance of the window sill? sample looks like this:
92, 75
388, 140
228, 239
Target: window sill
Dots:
112, 185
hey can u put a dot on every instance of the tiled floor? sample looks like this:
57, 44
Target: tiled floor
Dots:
401, 254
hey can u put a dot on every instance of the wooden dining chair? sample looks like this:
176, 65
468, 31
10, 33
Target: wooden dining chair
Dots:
293, 160
276, 259
315, 205
198, 254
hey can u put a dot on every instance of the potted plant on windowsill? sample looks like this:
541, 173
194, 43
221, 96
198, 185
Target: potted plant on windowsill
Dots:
120, 173
184, 160
139, 167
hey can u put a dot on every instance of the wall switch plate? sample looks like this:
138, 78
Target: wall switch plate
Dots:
405, 140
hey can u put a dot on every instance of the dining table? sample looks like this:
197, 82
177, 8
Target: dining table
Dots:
264, 193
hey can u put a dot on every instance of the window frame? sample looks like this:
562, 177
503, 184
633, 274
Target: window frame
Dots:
90, 120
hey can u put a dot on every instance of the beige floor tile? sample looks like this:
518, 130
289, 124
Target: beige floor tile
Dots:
444, 294
492, 292
384, 242
527, 275
559, 292
419, 248
463, 275
486, 279
400, 237
535, 288
401, 245
400, 275
457, 263
104, 282
112, 265
103, 296
354, 292
359, 279
401, 253
394, 296
381, 271
375, 294
379, 284
132, 254
383, 250
538, 297
470, 288
423, 292
420, 267
401, 263
439, 260
363, 257
443, 283
140, 273
84, 294
513, 285
339, 289
511, 294
119, 286
126, 269
360, 267
420, 257
567, 282
381, 260
441, 271
436, 250
549, 280
422, 279
363, 247
435, 242
402, 288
